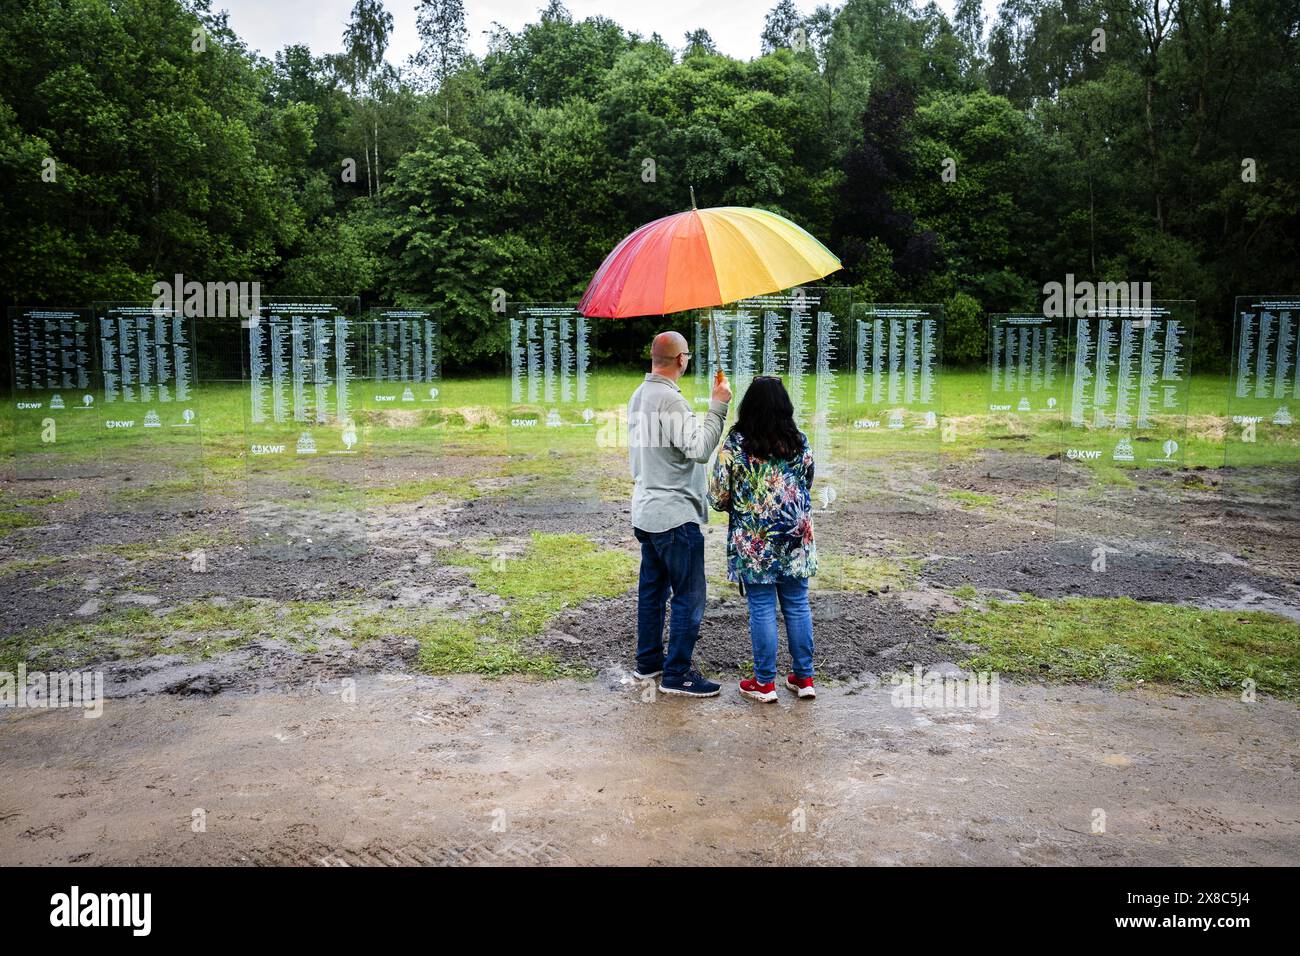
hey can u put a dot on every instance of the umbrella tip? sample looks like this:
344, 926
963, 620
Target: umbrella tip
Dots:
692, 188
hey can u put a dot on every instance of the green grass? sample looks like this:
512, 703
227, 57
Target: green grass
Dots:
50, 499
171, 547
20, 565
1120, 641
179, 489
11, 519
18, 513
196, 630
844, 573
972, 499
410, 491
556, 572
469, 421
964, 398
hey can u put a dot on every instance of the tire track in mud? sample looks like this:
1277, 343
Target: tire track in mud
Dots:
505, 852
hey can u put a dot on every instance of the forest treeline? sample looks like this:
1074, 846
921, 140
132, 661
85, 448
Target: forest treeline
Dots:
956, 160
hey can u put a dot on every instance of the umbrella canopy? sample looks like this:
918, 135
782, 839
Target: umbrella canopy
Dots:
702, 258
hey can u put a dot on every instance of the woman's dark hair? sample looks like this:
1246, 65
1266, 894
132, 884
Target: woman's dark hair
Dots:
766, 421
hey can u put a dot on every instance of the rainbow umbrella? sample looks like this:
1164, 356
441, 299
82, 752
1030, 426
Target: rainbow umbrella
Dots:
702, 258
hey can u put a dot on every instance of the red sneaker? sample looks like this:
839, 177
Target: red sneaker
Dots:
803, 686
764, 692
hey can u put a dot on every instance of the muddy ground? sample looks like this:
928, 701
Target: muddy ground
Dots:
419, 769
459, 771
855, 634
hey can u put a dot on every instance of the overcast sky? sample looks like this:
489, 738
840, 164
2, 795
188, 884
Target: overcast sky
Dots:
735, 25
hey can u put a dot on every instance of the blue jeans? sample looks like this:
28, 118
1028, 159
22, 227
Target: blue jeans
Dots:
670, 561
793, 593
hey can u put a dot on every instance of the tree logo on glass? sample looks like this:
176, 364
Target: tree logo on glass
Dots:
1170, 448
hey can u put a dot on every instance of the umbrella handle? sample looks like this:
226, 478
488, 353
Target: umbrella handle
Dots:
720, 376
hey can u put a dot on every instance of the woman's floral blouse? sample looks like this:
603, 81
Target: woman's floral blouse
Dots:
770, 526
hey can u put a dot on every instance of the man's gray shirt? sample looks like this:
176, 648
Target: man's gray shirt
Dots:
668, 447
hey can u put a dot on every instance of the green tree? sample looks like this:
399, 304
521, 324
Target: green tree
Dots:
440, 242
365, 38
699, 43
443, 35
970, 154
161, 146
783, 27
549, 61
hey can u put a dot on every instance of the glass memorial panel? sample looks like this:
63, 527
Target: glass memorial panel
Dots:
55, 395
151, 443
819, 336
552, 418
735, 338
893, 406
1262, 440
711, 334
222, 397
1021, 436
1123, 431
803, 337
403, 385
305, 449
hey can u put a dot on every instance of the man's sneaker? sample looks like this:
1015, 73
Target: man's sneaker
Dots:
692, 684
764, 692
647, 675
803, 686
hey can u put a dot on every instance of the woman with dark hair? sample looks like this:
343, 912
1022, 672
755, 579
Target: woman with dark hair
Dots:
763, 479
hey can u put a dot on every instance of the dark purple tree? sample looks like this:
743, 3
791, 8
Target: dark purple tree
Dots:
867, 210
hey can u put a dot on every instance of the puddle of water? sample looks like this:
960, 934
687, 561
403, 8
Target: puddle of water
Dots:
1243, 597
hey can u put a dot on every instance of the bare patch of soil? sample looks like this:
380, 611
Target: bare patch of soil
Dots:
854, 634
1065, 569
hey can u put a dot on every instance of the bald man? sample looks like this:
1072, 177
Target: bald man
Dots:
668, 448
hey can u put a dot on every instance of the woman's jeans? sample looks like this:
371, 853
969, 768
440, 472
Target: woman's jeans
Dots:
793, 593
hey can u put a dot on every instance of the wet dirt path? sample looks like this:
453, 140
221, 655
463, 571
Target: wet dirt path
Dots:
465, 771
